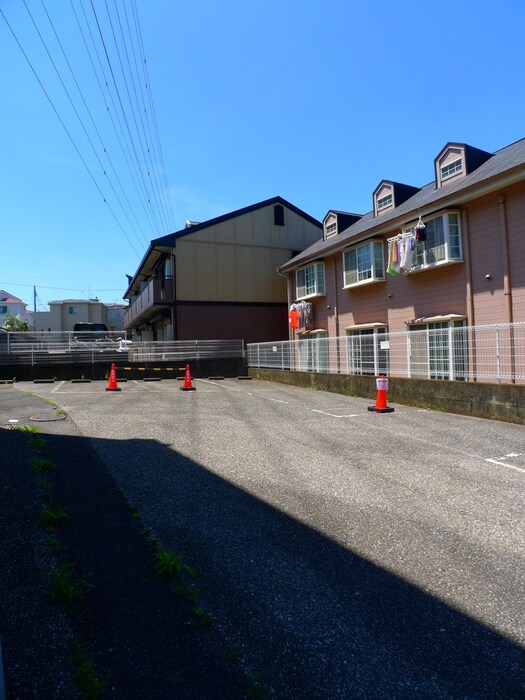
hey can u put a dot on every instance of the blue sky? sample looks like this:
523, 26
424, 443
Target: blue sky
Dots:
313, 101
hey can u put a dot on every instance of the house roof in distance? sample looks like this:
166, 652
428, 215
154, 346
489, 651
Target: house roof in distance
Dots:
7, 298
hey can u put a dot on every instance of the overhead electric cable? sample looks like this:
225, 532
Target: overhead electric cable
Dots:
158, 168
102, 144
137, 112
151, 104
76, 113
104, 44
113, 114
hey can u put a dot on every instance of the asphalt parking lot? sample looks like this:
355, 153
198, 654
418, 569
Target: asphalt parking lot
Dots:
345, 550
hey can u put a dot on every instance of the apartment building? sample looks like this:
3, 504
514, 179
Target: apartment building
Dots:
429, 261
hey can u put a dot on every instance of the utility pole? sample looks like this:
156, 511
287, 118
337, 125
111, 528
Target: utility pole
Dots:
34, 299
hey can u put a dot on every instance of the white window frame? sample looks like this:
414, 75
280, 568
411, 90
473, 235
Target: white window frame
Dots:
313, 349
440, 350
313, 283
368, 268
451, 169
447, 251
367, 351
385, 202
331, 229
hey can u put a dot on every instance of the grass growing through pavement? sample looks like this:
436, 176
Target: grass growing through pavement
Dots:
66, 589
51, 516
90, 685
171, 565
40, 465
37, 443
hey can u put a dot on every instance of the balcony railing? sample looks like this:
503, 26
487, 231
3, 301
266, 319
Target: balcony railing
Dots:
155, 293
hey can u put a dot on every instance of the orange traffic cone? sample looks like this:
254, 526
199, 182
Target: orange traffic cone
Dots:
187, 381
382, 388
112, 384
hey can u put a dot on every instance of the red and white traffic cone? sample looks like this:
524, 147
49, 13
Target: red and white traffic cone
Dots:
382, 388
112, 384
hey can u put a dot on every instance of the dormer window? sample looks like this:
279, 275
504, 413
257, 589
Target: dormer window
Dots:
452, 169
330, 225
384, 202
383, 198
457, 160
389, 194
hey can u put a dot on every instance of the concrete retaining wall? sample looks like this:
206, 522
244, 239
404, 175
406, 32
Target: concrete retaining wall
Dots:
504, 402
227, 367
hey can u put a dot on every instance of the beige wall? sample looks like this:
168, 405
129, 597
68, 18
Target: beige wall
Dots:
58, 317
237, 260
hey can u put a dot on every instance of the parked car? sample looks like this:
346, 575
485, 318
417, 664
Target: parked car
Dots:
90, 331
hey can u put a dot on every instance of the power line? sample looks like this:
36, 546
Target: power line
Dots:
140, 144
61, 289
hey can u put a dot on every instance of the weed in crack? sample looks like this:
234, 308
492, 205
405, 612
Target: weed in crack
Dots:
51, 516
171, 565
91, 687
41, 465
67, 590
37, 443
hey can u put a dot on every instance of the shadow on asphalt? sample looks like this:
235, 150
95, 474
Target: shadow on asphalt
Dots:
314, 619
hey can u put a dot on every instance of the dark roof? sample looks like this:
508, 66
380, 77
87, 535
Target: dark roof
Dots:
344, 218
474, 157
425, 201
169, 241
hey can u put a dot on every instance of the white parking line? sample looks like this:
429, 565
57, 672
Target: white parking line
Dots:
217, 384
336, 415
504, 464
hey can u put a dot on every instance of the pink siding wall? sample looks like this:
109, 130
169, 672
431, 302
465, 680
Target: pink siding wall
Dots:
426, 293
486, 258
429, 293
441, 290
515, 208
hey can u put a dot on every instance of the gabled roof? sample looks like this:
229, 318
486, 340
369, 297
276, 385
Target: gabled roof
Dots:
474, 157
7, 298
171, 238
158, 245
503, 167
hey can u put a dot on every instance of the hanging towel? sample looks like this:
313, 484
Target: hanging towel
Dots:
392, 251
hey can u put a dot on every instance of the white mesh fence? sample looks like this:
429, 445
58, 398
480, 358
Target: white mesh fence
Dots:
493, 353
48, 348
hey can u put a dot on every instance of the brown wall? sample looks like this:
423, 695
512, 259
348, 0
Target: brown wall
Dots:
253, 324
